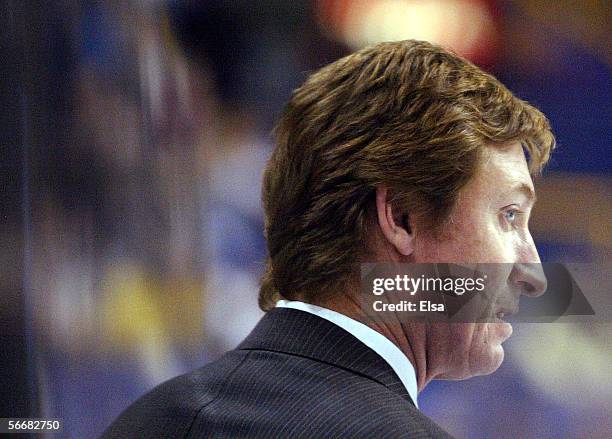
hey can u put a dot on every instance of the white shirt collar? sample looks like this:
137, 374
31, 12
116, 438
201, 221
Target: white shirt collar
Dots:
368, 336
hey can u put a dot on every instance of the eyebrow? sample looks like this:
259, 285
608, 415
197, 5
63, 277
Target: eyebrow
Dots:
527, 190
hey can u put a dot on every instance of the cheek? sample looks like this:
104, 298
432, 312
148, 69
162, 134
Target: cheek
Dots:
491, 244
475, 243
483, 242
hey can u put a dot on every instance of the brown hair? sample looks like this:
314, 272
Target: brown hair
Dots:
408, 115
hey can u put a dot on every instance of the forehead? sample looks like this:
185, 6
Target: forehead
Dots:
503, 168
506, 161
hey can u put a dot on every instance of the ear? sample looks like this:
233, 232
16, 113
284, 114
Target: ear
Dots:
396, 230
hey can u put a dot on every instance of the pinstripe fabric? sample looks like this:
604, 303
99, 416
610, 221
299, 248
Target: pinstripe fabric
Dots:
296, 375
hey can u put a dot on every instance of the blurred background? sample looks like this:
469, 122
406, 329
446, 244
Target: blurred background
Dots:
134, 134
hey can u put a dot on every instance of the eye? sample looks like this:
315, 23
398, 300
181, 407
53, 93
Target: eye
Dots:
511, 215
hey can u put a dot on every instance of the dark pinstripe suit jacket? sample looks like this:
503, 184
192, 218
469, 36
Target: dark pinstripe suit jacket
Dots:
296, 375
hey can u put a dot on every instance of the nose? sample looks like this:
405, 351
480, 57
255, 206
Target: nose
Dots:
529, 278
528, 273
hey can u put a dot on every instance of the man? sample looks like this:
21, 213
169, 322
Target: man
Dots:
401, 152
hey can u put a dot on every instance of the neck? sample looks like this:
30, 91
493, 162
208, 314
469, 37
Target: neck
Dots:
411, 337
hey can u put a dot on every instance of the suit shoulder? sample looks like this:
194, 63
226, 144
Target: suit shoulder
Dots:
281, 395
259, 393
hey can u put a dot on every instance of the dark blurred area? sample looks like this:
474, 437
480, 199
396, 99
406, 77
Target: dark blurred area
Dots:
134, 135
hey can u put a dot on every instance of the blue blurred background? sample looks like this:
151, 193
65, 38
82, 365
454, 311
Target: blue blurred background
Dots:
136, 136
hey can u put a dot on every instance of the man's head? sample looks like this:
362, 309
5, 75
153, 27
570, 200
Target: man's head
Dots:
400, 152
487, 230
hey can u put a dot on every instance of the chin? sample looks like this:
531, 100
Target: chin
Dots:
485, 353
484, 363
491, 355
494, 359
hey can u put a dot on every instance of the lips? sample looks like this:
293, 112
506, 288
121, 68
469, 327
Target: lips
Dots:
504, 312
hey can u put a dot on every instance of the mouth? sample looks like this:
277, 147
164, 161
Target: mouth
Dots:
505, 312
